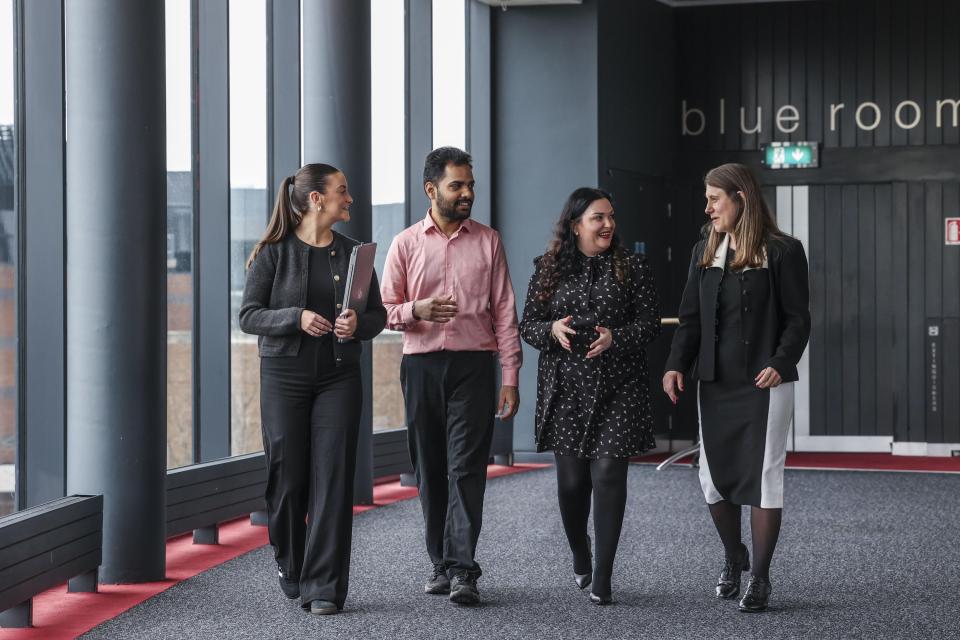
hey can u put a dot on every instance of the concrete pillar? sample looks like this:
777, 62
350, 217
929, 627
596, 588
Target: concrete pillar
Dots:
336, 130
116, 276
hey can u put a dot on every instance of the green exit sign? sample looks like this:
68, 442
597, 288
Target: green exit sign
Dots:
790, 155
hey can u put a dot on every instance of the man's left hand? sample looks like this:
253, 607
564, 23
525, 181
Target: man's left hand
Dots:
509, 402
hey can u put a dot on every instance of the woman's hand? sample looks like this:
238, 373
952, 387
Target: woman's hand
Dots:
767, 378
673, 385
560, 329
346, 324
602, 343
314, 324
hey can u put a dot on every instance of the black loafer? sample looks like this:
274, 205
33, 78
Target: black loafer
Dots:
757, 595
289, 586
439, 583
728, 584
600, 600
463, 590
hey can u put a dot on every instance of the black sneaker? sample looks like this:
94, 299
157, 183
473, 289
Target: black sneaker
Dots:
289, 586
439, 583
463, 589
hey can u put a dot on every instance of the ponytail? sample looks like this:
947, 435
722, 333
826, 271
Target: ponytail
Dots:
293, 199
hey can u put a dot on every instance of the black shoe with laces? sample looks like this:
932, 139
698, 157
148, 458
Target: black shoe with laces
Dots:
463, 589
289, 586
757, 595
439, 583
728, 584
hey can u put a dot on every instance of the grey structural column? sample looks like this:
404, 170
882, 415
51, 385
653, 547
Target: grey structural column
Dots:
283, 97
211, 238
478, 107
419, 117
336, 130
116, 276
419, 111
42, 326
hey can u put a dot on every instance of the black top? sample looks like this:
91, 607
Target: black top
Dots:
774, 318
321, 292
596, 408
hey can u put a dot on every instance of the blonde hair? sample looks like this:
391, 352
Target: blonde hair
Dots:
755, 225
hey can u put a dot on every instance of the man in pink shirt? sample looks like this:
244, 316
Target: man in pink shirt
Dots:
447, 287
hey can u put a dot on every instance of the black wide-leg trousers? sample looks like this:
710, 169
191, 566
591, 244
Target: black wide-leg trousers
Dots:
310, 412
450, 400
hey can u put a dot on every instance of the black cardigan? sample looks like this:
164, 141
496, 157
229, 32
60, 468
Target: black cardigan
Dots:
775, 335
276, 294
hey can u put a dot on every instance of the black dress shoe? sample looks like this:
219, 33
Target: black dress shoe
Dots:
323, 608
584, 579
289, 586
728, 584
757, 595
600, 600
463, 589
439, 583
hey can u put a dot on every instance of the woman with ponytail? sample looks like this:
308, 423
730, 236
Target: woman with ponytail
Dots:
310, 385
744, 323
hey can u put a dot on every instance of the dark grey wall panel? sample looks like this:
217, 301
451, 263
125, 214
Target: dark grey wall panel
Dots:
878, 281
816, 54
544, 142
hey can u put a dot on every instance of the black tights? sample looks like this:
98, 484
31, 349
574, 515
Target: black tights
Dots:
606, 479
764, 527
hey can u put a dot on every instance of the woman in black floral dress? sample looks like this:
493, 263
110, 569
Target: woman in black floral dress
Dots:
591, 308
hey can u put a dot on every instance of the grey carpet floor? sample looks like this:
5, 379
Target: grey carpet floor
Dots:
861, 555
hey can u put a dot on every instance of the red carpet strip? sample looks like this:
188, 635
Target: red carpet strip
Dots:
58, 614
848, 462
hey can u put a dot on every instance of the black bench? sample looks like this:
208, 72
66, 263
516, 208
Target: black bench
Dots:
202, 495
41, 547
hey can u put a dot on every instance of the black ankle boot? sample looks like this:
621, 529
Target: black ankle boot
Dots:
757, 595
728, 584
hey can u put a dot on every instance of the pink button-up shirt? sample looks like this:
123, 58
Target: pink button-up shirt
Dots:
470, 266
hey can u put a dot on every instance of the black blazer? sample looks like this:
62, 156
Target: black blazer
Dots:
276, 293
774, 334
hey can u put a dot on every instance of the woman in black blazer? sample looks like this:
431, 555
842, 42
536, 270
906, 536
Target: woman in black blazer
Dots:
591, 309
310, 385
744, 324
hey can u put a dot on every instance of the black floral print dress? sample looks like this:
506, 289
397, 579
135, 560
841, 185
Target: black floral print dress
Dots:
597, 407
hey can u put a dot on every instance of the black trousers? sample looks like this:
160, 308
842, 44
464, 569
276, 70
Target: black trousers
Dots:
310, 413
450, 400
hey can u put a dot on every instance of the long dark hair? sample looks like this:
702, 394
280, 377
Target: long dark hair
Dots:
291, 204
562, 258
755, 225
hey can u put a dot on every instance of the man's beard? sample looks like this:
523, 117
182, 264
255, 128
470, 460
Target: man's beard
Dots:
449, 211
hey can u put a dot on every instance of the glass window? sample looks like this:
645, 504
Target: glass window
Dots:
387, 180
449, 73
179, 237
249, 205
8, 267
